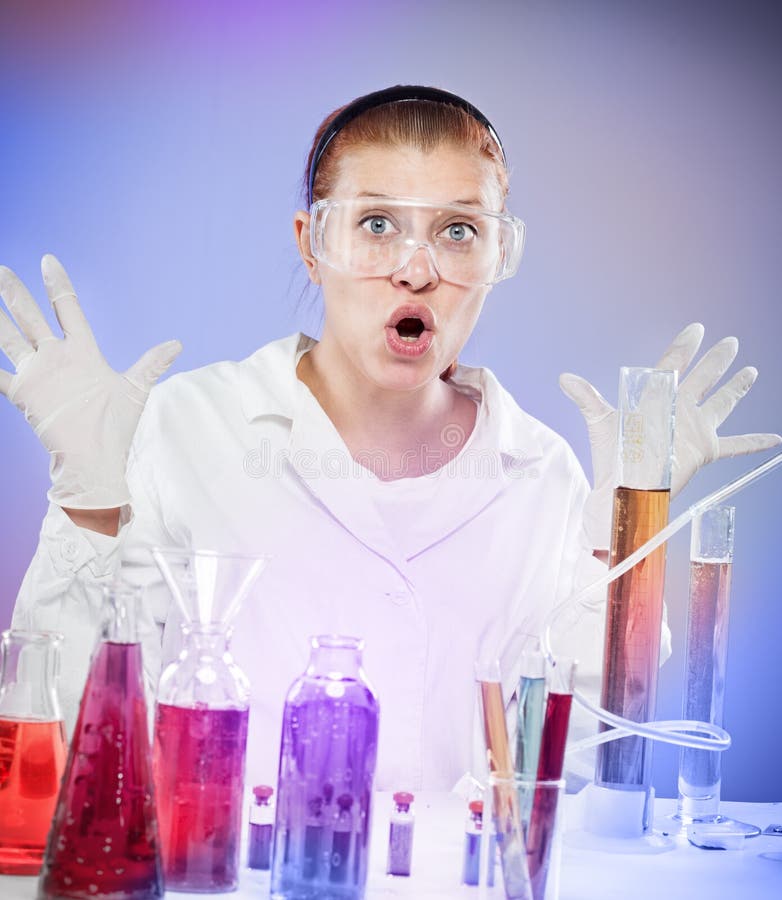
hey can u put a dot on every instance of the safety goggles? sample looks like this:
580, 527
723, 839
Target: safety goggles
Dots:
373, 237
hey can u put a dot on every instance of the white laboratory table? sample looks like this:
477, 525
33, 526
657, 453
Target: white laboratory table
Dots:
684, 872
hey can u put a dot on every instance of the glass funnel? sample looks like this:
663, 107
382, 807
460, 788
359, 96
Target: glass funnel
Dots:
103, 842
32, 747
201, 718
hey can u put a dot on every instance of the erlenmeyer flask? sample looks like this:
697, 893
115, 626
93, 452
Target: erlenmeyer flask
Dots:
103, 842
32, 747
201, 718
327, 764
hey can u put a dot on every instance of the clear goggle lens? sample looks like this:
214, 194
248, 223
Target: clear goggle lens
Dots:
374, 237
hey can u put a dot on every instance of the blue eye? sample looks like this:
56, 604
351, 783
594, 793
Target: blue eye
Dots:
376, 224
460, 232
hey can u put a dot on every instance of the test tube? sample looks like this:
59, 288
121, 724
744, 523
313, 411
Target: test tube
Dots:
711, 569
542, 821
507, 815
635, 600
529, 728
532, 697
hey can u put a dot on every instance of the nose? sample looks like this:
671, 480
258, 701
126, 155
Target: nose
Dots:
419, 271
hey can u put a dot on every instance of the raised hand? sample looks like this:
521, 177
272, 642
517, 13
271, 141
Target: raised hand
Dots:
84, 412
698, 416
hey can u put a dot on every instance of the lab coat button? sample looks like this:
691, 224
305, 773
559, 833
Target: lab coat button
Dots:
69, 550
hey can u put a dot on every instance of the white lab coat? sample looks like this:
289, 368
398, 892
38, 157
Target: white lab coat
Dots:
240, 457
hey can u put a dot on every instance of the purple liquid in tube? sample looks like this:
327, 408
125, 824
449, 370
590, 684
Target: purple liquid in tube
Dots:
103, 840
327, 762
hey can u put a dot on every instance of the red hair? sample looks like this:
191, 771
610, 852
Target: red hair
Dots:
423, 124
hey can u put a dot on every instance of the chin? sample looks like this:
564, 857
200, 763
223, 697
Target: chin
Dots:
406, 376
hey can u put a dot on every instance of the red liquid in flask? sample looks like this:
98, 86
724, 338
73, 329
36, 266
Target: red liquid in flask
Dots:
32, 759
199, 777
103, 841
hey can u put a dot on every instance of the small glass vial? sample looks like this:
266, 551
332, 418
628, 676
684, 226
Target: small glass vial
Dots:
400, 837
472, 843
261, 825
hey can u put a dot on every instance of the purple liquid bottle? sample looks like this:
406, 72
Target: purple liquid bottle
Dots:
327, 764
103, 841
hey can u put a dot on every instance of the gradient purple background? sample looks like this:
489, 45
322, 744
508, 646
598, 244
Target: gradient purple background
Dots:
157, 149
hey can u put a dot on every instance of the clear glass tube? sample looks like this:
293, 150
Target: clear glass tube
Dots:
711, 564
635, 600
532, 698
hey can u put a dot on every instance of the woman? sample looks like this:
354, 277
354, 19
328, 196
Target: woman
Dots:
402, 497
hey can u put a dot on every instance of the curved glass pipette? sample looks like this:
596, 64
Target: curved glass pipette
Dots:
678, 732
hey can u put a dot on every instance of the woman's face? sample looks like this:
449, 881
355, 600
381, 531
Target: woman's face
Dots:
372, 323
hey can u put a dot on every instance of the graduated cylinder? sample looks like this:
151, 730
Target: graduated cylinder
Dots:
635, 600
711, 563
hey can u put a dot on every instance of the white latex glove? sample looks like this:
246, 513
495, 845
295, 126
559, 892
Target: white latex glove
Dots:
696, 441
83, 411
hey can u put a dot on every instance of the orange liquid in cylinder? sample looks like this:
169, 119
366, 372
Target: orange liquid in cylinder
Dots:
631, 657
32, 759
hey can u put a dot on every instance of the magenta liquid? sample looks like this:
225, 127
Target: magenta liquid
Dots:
541, 831
103, 840
327, 762
551, 759
199, 757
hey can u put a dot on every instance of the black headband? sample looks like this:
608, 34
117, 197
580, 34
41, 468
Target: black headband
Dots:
391, 95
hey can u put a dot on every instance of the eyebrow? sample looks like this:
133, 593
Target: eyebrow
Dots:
380, 195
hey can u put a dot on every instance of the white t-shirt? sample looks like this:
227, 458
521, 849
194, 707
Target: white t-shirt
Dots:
240, 457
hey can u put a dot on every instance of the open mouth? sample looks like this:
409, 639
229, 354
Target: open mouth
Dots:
410, 328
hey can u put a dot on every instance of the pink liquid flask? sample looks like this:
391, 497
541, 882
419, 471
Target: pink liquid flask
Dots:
32, 748
103, 842
201, 718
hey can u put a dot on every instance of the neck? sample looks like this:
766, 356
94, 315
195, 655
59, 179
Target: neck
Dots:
394, 433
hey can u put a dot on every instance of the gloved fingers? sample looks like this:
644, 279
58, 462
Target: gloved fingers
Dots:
722, 402
23, 308
15, 347
710, 368
594, 407
682, 349
63, 298
145, 372
5, 382
741, 444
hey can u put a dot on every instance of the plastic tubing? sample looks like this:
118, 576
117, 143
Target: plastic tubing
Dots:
678, 732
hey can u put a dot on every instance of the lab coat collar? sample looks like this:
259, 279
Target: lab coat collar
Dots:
268, 386
267, 379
